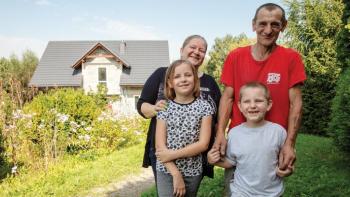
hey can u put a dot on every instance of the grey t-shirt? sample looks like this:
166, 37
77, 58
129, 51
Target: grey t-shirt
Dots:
254, 152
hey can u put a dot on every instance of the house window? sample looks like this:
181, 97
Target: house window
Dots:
136, 100
102, 76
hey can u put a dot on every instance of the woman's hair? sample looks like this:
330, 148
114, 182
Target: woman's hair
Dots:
169, 76
189, 38
255, 84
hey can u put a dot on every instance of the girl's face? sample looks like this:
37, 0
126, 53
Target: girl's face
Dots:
194, 52
182, 80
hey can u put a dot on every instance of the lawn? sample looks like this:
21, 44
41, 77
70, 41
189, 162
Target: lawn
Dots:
321, 170
75, 175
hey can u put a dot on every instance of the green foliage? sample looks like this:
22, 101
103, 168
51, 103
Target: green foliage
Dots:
219, 52
312, 29
340, 124
66, 121
343, 47
75, 175
321, 170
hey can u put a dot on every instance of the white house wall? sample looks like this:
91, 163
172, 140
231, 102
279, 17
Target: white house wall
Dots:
126, 105
90, 75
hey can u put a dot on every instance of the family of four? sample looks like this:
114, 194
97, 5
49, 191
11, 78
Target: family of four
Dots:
262, 100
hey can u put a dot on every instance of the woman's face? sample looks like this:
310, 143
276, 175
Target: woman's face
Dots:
194, 52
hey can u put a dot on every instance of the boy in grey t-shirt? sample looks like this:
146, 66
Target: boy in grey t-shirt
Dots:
253, 147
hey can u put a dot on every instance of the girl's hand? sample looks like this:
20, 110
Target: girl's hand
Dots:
284, 173
179, 185
213, 155
165, 155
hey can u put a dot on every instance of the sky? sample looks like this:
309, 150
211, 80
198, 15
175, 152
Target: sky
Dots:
31, 24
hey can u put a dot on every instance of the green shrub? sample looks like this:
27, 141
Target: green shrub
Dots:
62, 121
340, 122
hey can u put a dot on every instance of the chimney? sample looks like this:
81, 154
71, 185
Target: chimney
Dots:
122, 47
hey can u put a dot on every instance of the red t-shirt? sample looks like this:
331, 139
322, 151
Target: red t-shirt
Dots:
280, 71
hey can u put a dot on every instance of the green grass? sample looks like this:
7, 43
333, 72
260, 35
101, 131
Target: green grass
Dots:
321, 170
75, 175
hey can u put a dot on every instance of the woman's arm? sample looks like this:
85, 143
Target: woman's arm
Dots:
146, 105
165, 155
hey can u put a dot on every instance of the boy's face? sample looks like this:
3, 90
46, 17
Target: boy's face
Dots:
254, 104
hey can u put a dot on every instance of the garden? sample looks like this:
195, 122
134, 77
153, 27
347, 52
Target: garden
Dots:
63, 142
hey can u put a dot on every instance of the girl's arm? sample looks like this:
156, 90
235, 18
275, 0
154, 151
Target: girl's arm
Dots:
178, 182
165, 155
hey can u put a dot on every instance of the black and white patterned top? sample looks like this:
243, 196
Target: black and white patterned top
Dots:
183, 128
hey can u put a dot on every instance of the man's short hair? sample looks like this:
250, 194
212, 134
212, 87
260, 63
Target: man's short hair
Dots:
270, 7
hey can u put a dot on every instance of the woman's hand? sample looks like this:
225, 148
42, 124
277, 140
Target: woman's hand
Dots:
179, 185
159, 106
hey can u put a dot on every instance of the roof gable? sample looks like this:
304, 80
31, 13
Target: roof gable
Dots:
93, 49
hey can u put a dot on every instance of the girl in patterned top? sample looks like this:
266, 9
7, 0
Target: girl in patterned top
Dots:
183, 132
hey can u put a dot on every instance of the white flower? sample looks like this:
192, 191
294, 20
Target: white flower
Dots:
80, 137
87, 137
41, 126
137, 132
88, 128
17, 114
62, 117
14, 169
73, 124
103, 139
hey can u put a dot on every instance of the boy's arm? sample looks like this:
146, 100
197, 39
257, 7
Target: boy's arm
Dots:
214, 158
165, 155
178, 182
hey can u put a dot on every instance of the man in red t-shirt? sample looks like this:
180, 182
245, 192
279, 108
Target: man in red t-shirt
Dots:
279, 68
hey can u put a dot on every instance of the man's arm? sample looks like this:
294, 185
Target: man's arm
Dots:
287, 154
225, 110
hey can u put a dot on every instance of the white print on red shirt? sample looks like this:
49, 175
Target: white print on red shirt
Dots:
273, 78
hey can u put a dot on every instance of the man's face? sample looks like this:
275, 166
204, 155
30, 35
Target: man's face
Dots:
268, 26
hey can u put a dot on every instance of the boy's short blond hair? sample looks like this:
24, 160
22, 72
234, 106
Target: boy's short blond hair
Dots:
255, 84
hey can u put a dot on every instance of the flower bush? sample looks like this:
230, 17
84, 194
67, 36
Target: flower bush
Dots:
65, 121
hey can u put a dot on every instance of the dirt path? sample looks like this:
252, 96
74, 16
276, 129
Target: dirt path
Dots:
131, 186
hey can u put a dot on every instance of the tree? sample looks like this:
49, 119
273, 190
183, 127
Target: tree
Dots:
312, 29
339, 126
220, 50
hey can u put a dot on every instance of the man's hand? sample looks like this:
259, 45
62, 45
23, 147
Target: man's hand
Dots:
220, 144
287, 157
213, 156
284, 173
165, 155
179, 185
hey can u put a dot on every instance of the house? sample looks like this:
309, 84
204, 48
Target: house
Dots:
123, 66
